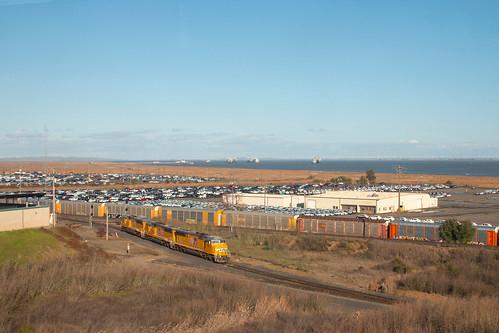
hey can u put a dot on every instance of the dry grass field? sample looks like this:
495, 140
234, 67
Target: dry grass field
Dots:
399, 265
236, 175
84, 289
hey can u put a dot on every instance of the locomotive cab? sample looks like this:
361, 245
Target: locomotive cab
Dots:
218, 248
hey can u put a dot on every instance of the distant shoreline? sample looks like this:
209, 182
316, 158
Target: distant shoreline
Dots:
463, 167
241, 175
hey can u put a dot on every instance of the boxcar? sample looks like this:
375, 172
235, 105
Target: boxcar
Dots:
259, 220
343, 226
414, 231
486, 235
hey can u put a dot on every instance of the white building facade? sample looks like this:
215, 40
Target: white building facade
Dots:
354, 201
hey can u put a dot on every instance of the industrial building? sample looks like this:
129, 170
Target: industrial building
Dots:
353, 201
22, 211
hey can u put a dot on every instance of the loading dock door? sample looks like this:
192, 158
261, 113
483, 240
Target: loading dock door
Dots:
368, 209
349, 208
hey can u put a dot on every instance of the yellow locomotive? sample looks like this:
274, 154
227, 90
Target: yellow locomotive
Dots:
209, 247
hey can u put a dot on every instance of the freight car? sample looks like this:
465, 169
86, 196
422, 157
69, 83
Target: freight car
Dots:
336, 225
343, 226
414, 231
206, 246
486, 234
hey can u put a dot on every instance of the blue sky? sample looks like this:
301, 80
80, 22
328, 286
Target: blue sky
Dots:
284, 79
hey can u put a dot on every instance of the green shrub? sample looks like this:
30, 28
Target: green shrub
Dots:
454, 231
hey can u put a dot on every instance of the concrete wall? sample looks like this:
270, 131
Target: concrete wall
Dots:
23, 218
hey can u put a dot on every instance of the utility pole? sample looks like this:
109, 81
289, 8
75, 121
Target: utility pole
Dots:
53, 201
265, 198
91, 215
399, 169
45, 159
107, 224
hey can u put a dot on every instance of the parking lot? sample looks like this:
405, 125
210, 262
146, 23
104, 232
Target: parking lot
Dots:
39, 178
464, 204
479, 205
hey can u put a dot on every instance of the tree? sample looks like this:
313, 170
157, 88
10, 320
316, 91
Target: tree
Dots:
449, 183
454, 231
371, 176
362, 180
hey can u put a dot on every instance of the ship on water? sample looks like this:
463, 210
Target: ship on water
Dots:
231, 160
253, 160
184, 162
316, 160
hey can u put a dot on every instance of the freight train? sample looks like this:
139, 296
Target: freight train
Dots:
335, 226
485, 234
206, 246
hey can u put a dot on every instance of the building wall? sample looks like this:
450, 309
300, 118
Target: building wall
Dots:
270, 200
24, 218
325, 202
419, 201
386, 203
413, 201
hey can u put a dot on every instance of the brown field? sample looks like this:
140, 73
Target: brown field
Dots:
239, 176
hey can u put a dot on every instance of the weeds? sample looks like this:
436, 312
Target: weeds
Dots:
449, 315
128, 295
94, 292
462, 272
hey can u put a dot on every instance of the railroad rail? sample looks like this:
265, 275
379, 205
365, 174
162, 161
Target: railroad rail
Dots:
310, 285
289, 280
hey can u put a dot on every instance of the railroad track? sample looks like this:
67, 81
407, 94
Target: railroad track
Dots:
306, 284
284, 279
